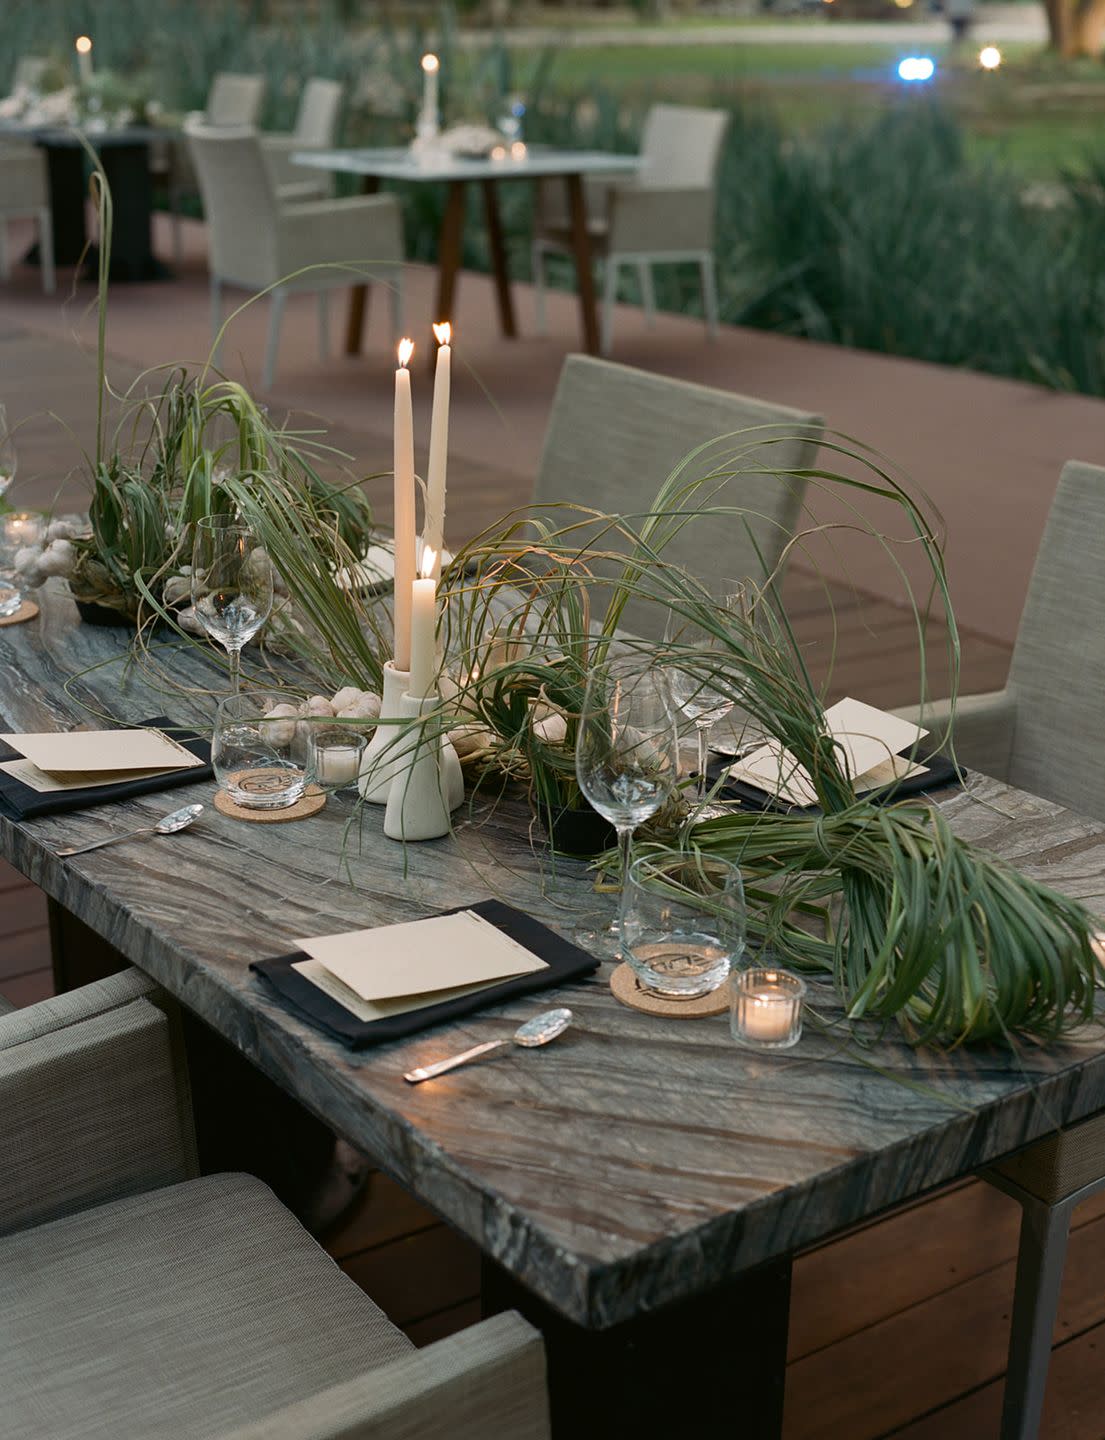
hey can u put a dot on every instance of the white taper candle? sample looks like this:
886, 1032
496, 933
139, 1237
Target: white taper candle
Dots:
424, 628
404, 507
433, 531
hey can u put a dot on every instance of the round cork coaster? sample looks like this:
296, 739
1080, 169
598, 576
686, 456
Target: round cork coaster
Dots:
311, 804
629, 990
27, 611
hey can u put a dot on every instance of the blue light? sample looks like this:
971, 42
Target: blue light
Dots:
916, 67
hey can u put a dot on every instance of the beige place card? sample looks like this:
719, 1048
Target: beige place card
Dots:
421, 957
870, 739
84, 753
316, 972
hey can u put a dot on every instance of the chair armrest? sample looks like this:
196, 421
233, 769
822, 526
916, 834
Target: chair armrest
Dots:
651, 221
94, 1101
487, 1383
22, 180
982, 731
362, 231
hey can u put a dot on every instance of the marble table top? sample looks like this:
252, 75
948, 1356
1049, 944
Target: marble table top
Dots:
405, 164
634, 1162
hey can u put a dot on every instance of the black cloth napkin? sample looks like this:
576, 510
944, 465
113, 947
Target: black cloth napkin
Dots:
21, 802
566, 962
940, 774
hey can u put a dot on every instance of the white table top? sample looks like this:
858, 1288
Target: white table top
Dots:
401, 164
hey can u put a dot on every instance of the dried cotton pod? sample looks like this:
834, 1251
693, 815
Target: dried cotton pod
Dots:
319, 705
344, 698
59, 558
284, 732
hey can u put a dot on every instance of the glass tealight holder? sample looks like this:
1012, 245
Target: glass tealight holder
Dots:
765, 1009
334, 755
18, 530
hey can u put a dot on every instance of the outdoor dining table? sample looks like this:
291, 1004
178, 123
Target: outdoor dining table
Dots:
124, 153
457, 173
639, 1187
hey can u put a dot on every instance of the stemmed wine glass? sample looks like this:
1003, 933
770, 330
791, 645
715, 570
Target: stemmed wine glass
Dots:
627, 755
7, 453
698, 655
231, 584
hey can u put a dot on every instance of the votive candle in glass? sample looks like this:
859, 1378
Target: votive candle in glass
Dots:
335, 756
765, 1010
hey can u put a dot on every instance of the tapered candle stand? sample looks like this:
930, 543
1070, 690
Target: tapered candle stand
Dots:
427, 784
378, 767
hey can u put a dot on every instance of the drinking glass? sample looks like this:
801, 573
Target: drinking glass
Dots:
231, 584
17, 530
627, 754
683, 922
699, 655
256, 754
7, 453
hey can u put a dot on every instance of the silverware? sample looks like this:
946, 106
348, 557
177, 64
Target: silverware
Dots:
538, 1031
167, 825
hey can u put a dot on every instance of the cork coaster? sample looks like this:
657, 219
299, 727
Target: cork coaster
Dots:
27, 611
303, 809
629, 990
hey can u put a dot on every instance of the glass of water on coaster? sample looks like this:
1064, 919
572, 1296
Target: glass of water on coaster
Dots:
683, 922
258, 755
231, 584
627, 757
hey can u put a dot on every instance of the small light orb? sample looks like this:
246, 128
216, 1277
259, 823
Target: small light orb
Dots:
989, 57
430, 63
916, 67
84, 45
498, 152
518, 150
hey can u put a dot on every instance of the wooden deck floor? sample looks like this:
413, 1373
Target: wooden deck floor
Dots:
898, 1330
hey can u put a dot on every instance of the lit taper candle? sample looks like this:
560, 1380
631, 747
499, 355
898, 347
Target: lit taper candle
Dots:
433, 531
431, 68
424, 627
404, 507
84, 58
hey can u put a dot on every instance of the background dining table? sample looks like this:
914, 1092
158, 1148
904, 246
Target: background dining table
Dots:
432, 167
639, 1187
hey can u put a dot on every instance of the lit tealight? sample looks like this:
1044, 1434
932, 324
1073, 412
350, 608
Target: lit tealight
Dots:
431, 64
518, 150
84, 45
916, 67
498, 152
989, 57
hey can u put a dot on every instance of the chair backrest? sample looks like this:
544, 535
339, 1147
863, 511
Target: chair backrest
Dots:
616, 433
235, 99
316, 124
681, 146
1057, 675
29, 72
239, 202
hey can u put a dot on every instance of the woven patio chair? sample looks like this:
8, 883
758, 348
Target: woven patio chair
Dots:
316, 128
664, 215
615, 434
138, 1300
258, 241
25, 194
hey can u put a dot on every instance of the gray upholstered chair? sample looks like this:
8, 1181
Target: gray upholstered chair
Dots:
25, 193
316, 128
234, 102
663, 215
1043, 731
30, 71
259, 242
137, 1300
616, 433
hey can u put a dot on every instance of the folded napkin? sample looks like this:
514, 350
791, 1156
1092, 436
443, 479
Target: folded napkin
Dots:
21, 802
938, 774
564, 962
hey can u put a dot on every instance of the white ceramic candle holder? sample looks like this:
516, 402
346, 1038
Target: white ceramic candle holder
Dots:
378, 766
427, 784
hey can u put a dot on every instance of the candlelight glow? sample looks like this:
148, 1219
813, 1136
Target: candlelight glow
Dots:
84, 45
989, 57
498, 152
406, 350
518, 150
443, 333
429, 560
430, 63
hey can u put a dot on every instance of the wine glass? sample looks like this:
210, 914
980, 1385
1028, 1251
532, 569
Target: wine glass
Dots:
697, 658
231, 584
627, 754
7, 453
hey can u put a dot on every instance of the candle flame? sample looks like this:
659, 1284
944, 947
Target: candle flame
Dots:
443, 333
430, 63
429, 560
406, 350
84, 45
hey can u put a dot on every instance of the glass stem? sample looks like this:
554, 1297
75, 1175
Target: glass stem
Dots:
703, 733
625, 847
236, 669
